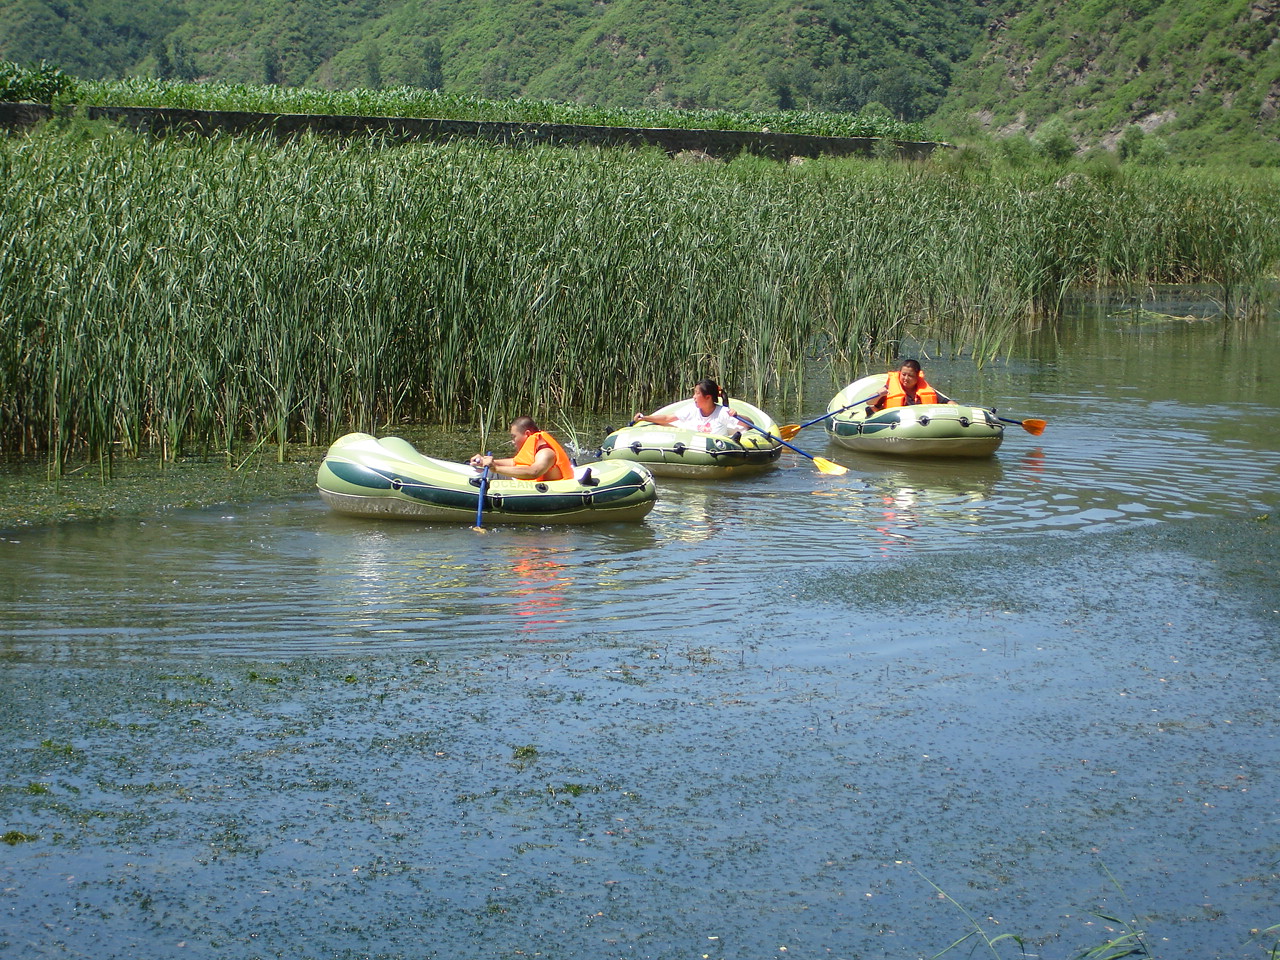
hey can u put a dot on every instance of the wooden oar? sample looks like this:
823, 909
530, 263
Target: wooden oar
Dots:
789, 430
484, 487
826, 466
1031, 424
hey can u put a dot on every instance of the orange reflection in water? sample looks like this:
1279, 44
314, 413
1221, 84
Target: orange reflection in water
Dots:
1033, 460
898, 515
540, 581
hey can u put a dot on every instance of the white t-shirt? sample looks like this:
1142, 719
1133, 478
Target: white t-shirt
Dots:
719, 422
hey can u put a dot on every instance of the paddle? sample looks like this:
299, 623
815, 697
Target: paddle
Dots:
791, 429
826, 466
1031, 424
484, 487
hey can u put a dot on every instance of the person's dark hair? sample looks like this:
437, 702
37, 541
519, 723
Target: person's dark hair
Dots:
524, 425
910, 364
709, 388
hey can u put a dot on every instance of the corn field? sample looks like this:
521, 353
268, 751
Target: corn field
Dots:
207, 295
417, 102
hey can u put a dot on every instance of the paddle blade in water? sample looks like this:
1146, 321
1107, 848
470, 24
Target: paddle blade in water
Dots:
479, 529
827, 466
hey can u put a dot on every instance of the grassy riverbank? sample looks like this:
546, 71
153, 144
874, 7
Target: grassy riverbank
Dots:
201, 296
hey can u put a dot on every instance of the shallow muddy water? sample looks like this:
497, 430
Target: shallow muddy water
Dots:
791, 716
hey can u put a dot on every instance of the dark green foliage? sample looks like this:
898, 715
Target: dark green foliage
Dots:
1053, 142
41, 84
1130, 143
88, 38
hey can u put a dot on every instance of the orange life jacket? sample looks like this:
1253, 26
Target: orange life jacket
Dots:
562, 469
897, 396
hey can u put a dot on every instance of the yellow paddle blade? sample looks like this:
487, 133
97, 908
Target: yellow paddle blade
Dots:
826, 466
788, 430
479, 529
1034, 427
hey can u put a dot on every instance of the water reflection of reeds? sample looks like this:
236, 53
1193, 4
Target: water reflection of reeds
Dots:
212, 295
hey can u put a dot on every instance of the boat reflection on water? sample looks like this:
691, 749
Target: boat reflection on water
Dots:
900, 499
692, 511
399, 581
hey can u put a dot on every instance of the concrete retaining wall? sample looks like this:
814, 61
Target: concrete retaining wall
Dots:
716, 143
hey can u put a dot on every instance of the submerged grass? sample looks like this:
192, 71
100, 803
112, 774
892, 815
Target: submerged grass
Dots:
208, 295
1130, 941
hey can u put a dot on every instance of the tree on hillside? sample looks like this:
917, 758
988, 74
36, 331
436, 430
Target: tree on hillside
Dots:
1130, 143
902, 91
431, 76
184, 64
164, 66
271, 70
373, 67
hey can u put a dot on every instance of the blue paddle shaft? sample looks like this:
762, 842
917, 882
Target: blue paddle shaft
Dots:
484, 487
848, 406
777, 439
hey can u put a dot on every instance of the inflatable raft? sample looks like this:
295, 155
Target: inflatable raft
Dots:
363, 476
672, 452
924, 430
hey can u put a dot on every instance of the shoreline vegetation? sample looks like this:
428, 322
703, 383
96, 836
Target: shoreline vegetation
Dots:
206, 296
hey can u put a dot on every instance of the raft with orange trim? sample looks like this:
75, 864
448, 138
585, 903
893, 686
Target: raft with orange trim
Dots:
364, 476
923, 430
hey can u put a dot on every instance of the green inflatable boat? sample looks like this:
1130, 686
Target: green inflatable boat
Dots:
923, 430
364, 476
669, 451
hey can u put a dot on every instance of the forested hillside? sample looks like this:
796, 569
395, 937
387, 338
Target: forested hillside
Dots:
1201, 75
1198, 78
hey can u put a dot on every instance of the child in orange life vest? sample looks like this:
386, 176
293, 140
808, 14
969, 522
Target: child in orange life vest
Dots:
906, 387
538, 455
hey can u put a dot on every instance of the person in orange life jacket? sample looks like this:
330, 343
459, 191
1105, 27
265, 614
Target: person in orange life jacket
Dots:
905, 387
706, 416
538, 455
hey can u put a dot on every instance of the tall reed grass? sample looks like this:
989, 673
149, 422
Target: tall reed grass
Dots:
212, 294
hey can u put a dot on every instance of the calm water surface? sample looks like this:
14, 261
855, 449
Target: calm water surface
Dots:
792, 716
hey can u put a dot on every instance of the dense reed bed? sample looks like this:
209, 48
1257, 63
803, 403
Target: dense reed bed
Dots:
211, 294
